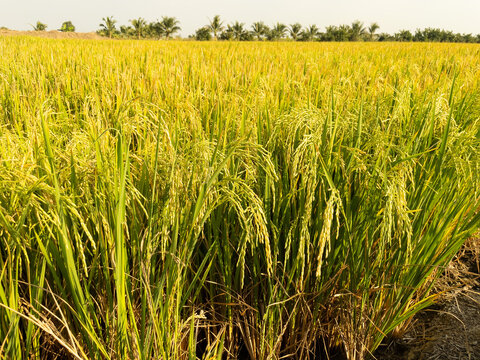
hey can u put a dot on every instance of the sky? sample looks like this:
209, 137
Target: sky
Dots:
459, 16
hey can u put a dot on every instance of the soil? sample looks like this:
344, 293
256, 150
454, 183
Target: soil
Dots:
450, 329
52, 34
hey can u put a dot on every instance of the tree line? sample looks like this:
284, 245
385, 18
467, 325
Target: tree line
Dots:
140, 28
216, 29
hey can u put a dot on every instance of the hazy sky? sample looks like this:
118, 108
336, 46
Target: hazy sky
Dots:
460, 15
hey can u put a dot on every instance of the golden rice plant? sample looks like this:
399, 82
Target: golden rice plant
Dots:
183, 200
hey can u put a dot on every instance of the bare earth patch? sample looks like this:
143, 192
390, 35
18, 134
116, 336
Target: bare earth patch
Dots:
54, 34
449, 330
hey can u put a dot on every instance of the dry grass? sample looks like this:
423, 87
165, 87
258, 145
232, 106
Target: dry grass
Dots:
52, 34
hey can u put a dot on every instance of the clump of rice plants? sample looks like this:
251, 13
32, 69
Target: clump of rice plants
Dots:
228, 200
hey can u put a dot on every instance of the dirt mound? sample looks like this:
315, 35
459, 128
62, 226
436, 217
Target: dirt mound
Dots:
54, 34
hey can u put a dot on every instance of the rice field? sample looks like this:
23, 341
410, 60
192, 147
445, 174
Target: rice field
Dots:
187, 200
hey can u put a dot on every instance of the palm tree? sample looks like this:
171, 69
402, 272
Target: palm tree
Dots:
39, 26
139, 25
169, 26
127, 30
238, 30
357, 31
203, 34
371, 29
403, 35
227, 34
108, 26
344, 33
295, 30
155, 29
278, 31
259, 29
311, 33
216, 26
330, 33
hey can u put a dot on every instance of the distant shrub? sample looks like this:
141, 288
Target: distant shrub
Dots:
67, 26
203, 34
